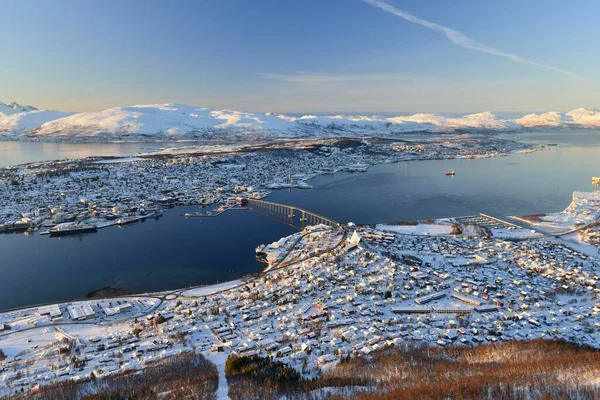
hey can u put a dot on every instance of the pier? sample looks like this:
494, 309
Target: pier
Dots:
291, 215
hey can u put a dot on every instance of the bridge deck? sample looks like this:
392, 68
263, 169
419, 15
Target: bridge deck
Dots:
287, 212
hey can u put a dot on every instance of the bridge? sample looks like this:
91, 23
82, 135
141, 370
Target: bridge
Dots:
290, 215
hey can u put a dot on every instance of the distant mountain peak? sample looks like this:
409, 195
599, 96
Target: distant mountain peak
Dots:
14, 107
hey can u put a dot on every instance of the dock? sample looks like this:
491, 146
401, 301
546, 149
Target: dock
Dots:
211, 215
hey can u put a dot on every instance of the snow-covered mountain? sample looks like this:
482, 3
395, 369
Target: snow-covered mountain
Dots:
176, 121
580, 117
480, 121
161, 120
18, 119
181, 121
13, 108
23, 122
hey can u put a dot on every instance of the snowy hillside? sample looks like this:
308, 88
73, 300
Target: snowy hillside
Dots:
481, 121
580, 117
176, 121
23, 122
552, 118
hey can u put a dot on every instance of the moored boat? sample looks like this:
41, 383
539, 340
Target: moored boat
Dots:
128, 220
13, 227
71, 229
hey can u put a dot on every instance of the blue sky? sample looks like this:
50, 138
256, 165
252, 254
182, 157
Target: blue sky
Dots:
301, 55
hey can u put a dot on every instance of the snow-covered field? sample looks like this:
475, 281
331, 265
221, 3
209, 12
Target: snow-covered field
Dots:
203, 148
419, 229
212, 289
506, 233
177, 121
583, 210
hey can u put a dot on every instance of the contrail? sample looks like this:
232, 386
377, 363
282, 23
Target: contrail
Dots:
462, 40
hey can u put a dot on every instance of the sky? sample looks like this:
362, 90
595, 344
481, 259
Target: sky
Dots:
302, 56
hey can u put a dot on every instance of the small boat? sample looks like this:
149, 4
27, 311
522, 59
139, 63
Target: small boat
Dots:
13, 227
71, 229
127, 220
450, 173
196, 214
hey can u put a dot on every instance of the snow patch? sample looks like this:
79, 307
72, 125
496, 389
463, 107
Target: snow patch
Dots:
419, 229
26, 121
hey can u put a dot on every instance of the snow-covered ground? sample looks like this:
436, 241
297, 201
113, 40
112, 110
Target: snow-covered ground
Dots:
219, 360
507, 233
578, 242
201, 148
583, 210
418, 229
212, 289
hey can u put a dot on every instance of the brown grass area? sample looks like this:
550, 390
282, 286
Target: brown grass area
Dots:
185, 376
513, 370
456, 229
532, 217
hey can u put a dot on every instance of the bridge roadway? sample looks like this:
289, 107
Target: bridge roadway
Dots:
287, 214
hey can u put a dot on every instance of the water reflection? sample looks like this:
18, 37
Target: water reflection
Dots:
13, 153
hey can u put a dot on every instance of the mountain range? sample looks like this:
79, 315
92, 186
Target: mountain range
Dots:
177, 121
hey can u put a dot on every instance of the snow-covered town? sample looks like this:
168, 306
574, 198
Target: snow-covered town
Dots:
296, 200
71, 196
330, 292
326, 293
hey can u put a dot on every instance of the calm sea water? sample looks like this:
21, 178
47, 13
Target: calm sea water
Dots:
168, 253
515, 185
13, 153
175, 252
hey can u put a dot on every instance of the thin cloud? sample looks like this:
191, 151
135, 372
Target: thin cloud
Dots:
461, 40
326, 78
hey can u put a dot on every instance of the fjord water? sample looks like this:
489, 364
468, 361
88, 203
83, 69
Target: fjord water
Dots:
16, 152
176, 252
169, 253
518, 184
